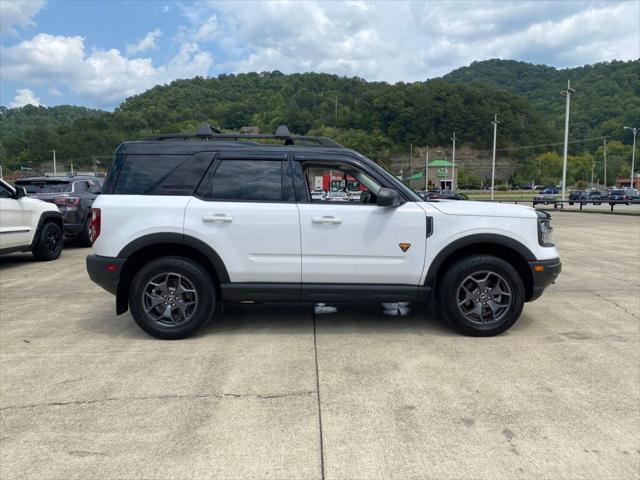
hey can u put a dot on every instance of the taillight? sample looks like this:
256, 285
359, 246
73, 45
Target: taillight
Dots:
96, 220
64, 200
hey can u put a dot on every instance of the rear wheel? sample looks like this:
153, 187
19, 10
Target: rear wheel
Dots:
172, 297
85, 236
49, 243
481, 295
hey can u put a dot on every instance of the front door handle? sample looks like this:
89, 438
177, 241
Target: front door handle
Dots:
326, 219
217, 218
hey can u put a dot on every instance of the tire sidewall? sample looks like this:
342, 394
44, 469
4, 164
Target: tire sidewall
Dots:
194, 273
40, 251
463, 268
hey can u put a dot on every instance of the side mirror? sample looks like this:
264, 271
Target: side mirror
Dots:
387, 197
20, 192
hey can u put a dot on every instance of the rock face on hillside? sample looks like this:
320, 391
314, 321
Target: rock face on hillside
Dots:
477, 162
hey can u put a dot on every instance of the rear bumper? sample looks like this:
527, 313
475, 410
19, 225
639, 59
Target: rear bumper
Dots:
105, 271
542, 279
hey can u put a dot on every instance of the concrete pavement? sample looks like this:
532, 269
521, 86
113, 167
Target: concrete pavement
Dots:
86, 394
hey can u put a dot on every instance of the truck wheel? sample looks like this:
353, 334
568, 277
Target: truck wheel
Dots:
85, 236
172, 297
49, 243
481, 295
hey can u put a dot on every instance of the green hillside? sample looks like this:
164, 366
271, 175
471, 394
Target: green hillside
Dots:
607, 94
376, 118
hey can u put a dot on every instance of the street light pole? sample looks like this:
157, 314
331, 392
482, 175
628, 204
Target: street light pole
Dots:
453, 162
54, 162
633, 153
567, 93
426, 171
493, 163
605, 161
593, 167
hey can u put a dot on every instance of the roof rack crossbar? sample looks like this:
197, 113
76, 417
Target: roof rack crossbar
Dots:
282, 133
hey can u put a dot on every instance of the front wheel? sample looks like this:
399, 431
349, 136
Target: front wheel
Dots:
172, 297
49, 243
481, 295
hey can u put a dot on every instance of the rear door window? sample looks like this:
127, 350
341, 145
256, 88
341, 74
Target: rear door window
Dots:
245, 180
161, 174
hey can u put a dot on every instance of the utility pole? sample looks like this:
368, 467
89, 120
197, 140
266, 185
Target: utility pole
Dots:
567, 93
605, 161
335, 124
54, 162
95, 168
633, 153
426, 171
593, 167
71, 168
0, 171
495, 123
453, 161
410, 161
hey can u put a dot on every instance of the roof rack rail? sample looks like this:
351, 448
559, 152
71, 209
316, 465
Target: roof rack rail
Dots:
205, 131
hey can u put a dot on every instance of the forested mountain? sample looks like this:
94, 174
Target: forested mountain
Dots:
376, 118
607, 94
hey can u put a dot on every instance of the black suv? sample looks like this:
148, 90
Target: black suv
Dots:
585, 196
74, 197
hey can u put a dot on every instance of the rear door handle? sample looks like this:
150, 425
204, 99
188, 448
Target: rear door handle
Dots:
217, 218
326, 219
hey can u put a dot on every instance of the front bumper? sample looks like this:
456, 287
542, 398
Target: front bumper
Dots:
105, 271
544, 273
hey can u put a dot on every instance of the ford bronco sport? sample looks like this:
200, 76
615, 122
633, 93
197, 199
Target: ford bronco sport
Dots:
185, 222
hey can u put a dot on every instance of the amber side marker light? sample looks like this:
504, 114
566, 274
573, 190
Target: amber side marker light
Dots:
538, 268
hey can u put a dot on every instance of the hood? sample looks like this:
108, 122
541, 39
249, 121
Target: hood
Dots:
483, 209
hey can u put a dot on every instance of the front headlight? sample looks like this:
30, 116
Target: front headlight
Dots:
544, 229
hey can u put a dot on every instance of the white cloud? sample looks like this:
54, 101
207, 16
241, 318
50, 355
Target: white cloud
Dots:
147, 43
18, 13
165, 8
23, 97
105, 77
408, 41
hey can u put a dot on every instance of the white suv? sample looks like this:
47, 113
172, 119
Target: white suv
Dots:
187, 221
29, 224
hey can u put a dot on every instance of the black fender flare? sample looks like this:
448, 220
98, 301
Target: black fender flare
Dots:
180, 239
44, 217
475, 239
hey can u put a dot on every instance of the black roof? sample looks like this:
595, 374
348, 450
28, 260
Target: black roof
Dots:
207, 138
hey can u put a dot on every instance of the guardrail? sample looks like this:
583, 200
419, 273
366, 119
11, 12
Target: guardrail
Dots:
560, 203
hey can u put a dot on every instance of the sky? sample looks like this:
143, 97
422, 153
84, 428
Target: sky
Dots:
97, 53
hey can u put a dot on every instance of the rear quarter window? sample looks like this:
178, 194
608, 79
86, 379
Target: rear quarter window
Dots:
44, 186
160, 174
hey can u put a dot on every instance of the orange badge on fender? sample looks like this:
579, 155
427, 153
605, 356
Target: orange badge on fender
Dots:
404, 246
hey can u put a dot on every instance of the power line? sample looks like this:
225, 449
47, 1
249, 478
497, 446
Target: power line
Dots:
543, 145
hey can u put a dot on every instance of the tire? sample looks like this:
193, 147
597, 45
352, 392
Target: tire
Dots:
85, 236
49, 243
508, 303
571, 203
192, 309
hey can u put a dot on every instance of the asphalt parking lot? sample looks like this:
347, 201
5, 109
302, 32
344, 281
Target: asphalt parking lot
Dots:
272, 392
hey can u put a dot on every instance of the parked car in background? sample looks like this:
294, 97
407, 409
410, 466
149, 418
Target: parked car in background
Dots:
317, 195
585, 196
337, 196
444, 195
28, 224
620, 195
74, 197
546, 196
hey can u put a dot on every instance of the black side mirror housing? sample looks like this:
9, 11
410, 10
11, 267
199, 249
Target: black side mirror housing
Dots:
387, 197
20, 192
